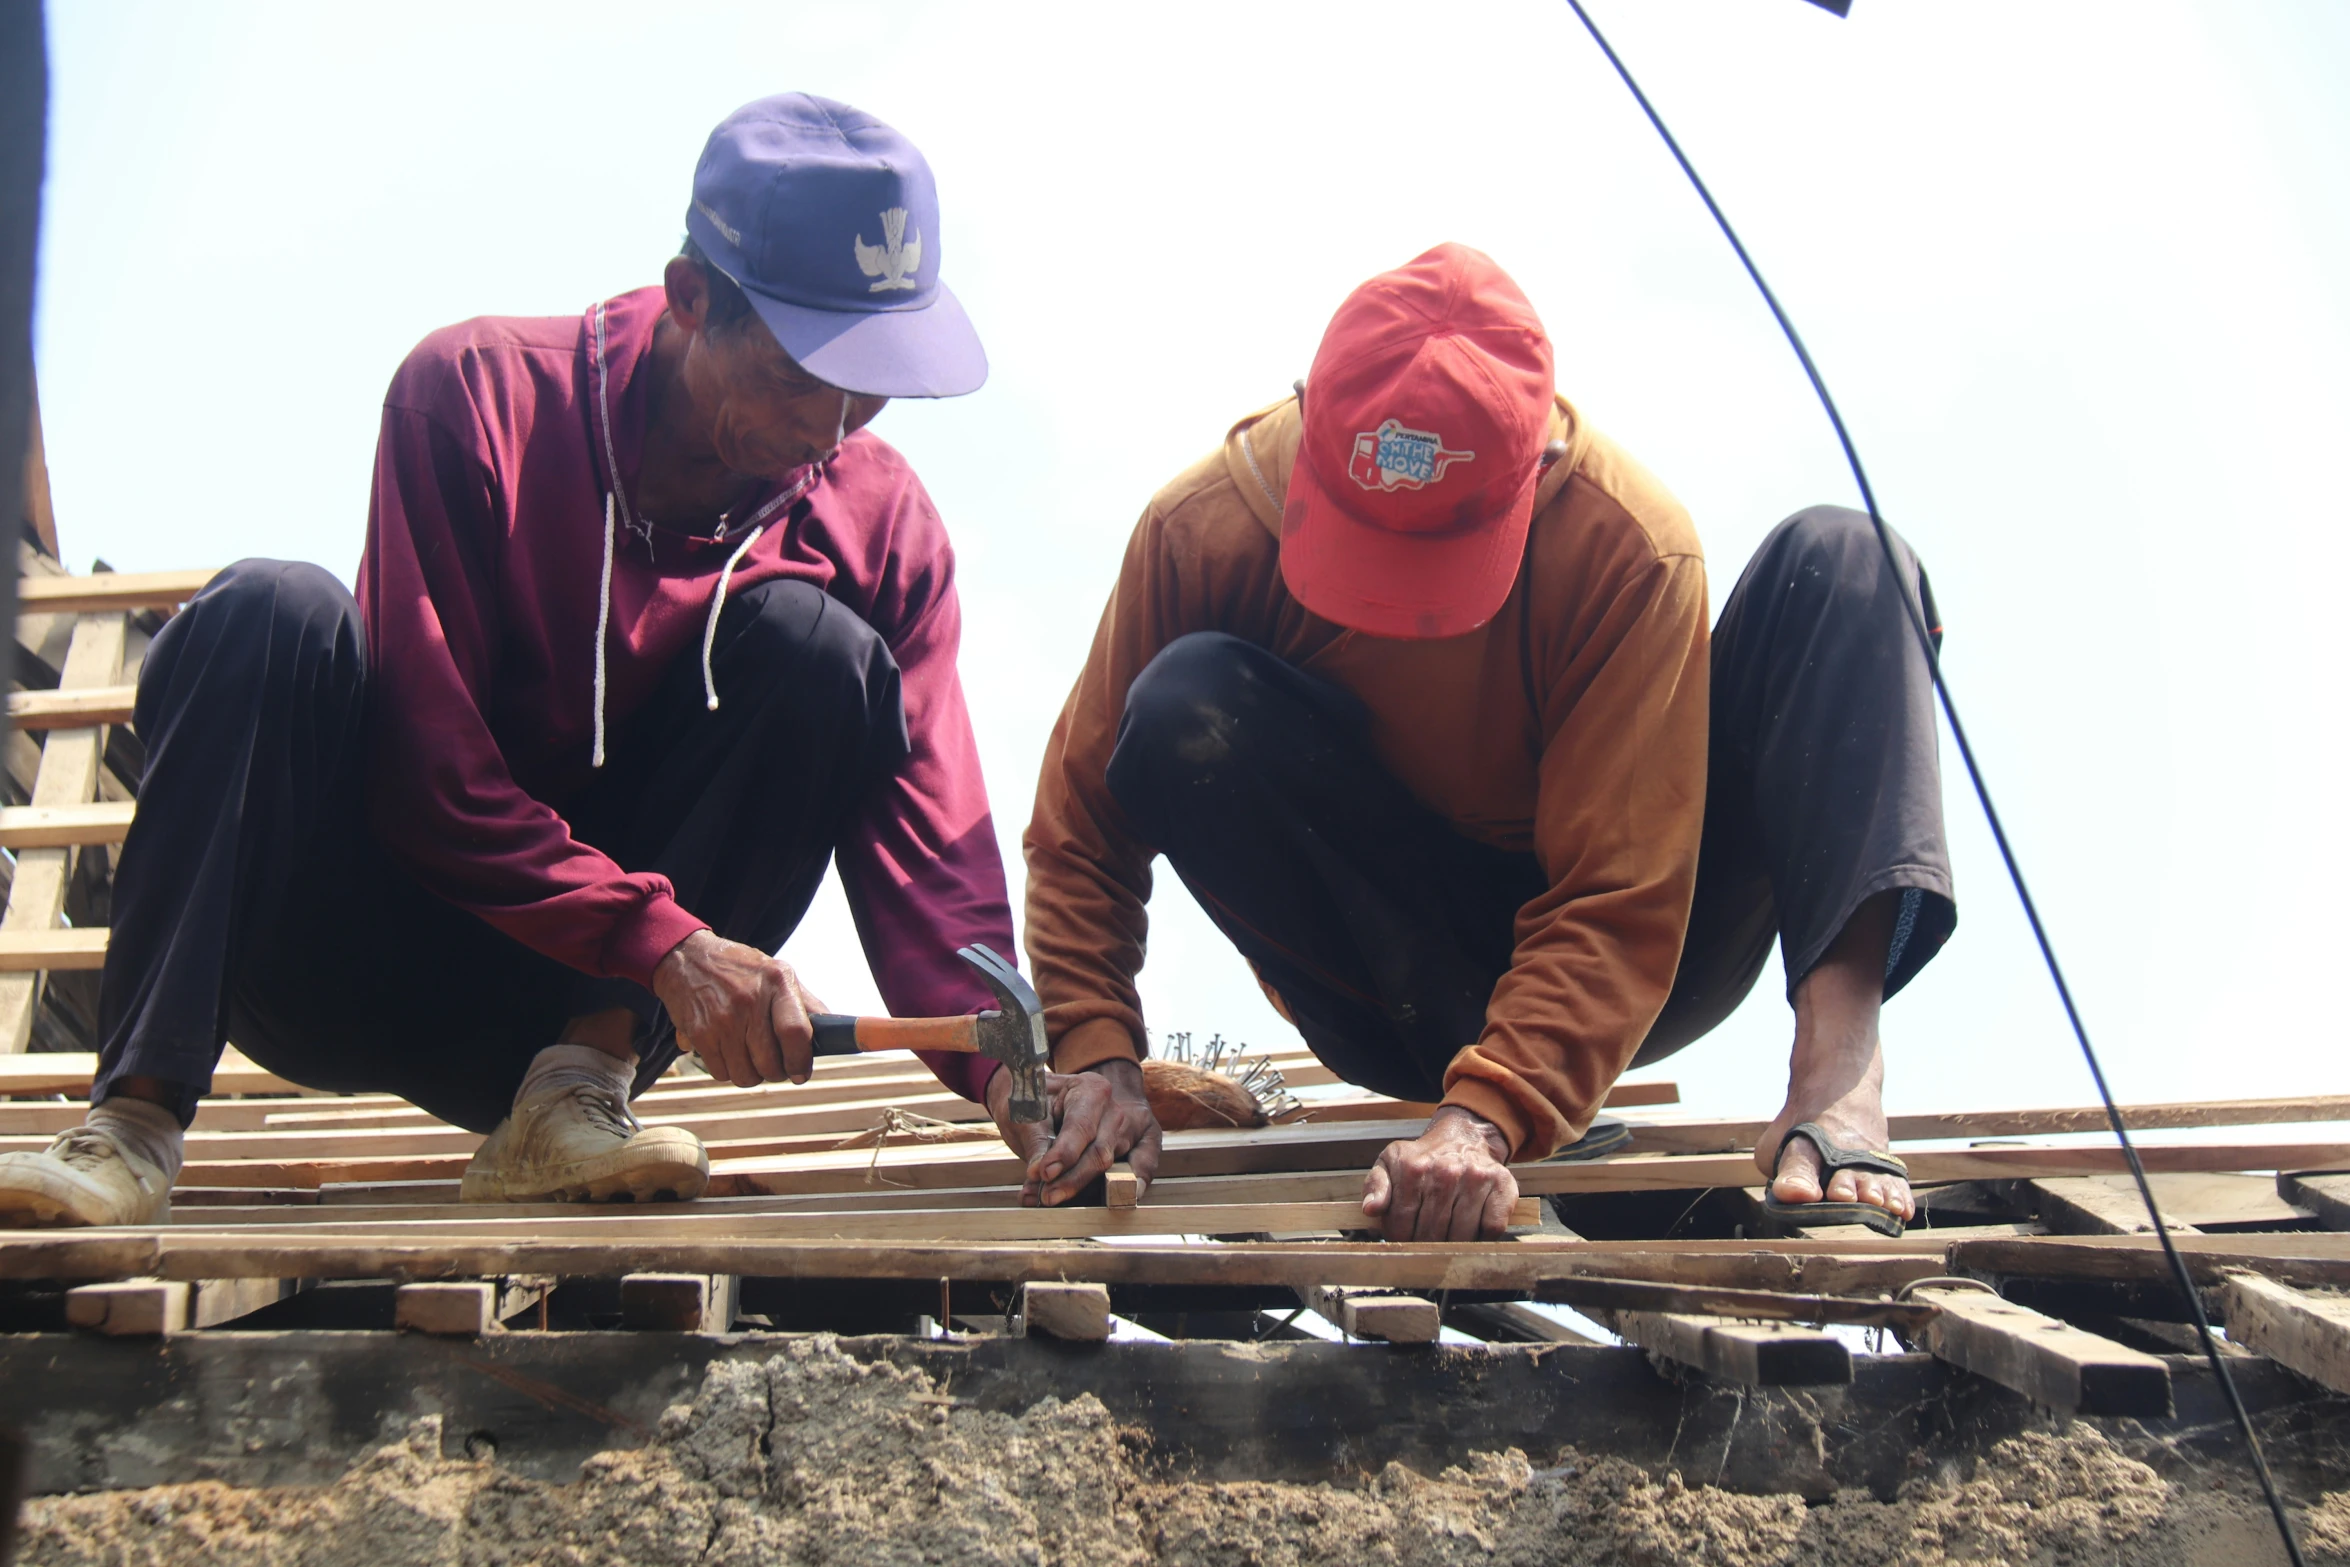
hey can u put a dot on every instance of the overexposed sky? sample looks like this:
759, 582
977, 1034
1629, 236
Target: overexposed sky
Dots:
2079, 275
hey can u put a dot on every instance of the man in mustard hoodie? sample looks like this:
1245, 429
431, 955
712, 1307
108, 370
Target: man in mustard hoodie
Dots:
1410, 684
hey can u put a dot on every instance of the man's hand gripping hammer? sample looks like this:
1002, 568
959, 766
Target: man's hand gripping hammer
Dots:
1013, 1035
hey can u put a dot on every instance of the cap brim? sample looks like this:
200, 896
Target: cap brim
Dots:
931, 352
1419, 586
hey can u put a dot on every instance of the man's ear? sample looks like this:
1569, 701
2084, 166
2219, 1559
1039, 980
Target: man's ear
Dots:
688, 288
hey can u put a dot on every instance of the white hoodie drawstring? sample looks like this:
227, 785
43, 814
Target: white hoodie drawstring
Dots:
717, 603
603, 627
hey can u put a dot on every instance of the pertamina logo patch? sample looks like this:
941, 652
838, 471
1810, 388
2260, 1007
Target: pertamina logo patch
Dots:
1394, 458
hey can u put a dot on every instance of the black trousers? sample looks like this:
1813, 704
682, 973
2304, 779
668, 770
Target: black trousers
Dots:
252, 902
1384, 930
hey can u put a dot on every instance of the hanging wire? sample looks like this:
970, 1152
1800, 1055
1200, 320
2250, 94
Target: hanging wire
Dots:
2015, 872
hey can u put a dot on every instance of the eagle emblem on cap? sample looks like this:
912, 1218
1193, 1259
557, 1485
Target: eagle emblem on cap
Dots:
891, 263
1394, 458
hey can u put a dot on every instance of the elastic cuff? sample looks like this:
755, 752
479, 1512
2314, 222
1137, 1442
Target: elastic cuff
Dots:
642, 939
1093, 1042
1487, 1103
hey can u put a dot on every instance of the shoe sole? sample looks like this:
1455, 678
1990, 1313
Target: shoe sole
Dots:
654, 1180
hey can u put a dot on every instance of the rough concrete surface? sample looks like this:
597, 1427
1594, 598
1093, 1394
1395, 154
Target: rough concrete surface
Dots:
814, 1458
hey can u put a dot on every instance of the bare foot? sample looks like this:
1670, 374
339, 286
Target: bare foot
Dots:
1836, 1074
1854, 1118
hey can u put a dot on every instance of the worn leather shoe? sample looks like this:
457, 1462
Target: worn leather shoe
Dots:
85, 1177
581, 1144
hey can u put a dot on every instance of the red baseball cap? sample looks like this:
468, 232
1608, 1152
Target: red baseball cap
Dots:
1426, 414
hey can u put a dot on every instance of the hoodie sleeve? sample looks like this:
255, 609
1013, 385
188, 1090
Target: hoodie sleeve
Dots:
919, 863
441, 796
1617, 817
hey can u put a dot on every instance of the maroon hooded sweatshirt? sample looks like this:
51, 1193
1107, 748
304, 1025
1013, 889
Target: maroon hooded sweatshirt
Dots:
483, 588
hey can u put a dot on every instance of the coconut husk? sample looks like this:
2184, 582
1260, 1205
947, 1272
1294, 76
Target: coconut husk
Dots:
1185, 1098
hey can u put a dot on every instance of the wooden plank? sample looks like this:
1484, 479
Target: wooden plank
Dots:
1369, 1314
132, 1308
72, 1071
72, 709
1077, 1312
2314, 1259
1724, 1136
167, 1253
677, 1302
466, 1308
2302, 1332
216, 1301
2327, 1196
2052, 1363
691, 1222
2094, 1205
1121, 1188
26, 952
2110, 1204
110, 590
1509, 1322
62, 826
40, 509
1755, 1354
70, 763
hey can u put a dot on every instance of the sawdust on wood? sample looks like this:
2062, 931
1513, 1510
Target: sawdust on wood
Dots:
814, 1458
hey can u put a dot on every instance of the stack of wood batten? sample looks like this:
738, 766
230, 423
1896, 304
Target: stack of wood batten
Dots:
873, 1171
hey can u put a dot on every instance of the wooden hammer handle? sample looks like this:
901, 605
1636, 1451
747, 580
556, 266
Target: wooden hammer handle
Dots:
837, 1035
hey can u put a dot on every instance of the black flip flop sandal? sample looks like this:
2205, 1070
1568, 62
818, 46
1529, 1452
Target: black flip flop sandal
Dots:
1833, 1157
1604, 1138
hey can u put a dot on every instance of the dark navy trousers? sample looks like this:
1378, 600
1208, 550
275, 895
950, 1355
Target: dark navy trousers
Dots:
253, 904
1384, 930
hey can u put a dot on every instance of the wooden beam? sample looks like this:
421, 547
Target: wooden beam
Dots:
132, 1308
2302, 1332
677, 1302
465, 1308
2052, 1363
686, 1221
70, 763
2327, 1196
2110, 1204
1718, 1136
1394, 1319
1755, 1354
110, 590
63, 826
1121, 1188
72, 709
40, 507
2313, 1259
27, 952
1077, 1312
2095, 1205
167, 1252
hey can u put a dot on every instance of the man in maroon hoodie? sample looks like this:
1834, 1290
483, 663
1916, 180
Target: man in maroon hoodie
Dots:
647, 631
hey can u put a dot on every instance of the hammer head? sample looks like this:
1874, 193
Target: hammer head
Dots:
1014, 1034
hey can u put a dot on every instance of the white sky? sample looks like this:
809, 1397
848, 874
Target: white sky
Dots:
2075, 272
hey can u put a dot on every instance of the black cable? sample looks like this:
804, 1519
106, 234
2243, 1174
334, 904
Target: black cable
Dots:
2015, 872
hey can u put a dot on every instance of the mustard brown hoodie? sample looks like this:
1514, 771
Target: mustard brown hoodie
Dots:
1571, 726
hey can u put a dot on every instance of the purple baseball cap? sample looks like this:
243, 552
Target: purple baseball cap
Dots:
828, 219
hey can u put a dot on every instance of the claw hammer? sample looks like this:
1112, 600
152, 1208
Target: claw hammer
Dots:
1012, 1035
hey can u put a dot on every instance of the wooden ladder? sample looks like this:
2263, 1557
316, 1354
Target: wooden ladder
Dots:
66, 813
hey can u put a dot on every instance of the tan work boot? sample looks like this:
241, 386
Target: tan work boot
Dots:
579, 1143
85, 1177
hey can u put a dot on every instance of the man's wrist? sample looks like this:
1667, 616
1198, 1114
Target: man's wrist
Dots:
1496, 1142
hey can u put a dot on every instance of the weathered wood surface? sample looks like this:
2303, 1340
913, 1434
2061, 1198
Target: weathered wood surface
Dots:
1077, 1312
2111, 1205
1755, 1354
2327, 1196
2300, 1330
2052, 1363
113, 590
677, 1302
62, 826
